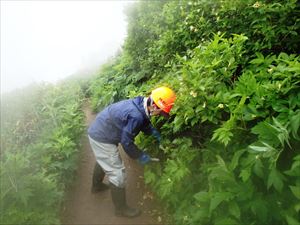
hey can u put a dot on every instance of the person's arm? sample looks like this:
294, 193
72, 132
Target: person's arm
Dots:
127, 138
150, 130
147, 129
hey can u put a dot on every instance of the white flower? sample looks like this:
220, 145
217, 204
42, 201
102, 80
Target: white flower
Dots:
204, 105
194, 94
279, 86
221, 106
185, 218
256, 5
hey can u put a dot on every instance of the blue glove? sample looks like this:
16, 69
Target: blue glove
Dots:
144, 158
156, 134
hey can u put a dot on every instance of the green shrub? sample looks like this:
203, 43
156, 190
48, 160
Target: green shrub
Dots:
231, 145
33, 168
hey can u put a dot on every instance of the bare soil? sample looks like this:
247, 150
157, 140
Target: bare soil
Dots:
84, 208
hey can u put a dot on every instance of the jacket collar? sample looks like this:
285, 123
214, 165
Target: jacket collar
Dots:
138, 102
146, 108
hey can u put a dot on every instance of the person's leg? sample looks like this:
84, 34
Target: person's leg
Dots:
98, 176
108, 157
118, 196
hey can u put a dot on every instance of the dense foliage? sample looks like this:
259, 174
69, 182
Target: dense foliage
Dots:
231, 147
40, 132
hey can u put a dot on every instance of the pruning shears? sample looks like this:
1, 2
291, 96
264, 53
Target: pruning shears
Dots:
157, 159
154, 159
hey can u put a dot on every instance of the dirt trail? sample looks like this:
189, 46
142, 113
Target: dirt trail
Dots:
84, 208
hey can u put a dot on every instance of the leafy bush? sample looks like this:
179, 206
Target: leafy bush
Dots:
33, 168
231, 145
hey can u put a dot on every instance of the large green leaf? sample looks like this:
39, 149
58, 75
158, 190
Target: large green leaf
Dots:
296, 191
276, 179
218, 198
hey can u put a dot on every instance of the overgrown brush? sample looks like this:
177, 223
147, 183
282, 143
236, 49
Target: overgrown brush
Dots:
231, 147
39, 141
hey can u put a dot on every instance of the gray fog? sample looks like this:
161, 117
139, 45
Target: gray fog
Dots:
50, 40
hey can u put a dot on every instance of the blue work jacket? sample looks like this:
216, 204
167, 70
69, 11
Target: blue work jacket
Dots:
120, 123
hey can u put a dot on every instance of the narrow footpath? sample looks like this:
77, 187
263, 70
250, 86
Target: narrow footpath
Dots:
84, 208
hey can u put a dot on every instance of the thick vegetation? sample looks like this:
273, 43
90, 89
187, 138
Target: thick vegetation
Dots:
40, 132
231, 147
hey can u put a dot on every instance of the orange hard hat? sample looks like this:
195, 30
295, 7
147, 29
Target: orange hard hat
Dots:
164, 98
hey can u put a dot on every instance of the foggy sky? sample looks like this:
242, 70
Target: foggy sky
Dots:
50, 40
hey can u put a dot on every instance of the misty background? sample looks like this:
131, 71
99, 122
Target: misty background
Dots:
51, 40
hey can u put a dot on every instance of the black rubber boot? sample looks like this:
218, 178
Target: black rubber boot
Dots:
118, 196
98, 177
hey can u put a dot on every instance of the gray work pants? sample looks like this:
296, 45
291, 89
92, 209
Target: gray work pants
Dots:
108, 157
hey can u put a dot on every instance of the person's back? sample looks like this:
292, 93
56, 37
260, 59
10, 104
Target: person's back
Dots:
120, 123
